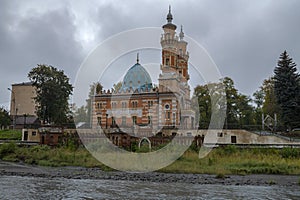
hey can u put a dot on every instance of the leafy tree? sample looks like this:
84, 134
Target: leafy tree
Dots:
245, 111
4, 118
53, 91
287, 90
80, 114
204, 103
98, 87
258, 98
117, 86
270, 105
238, 112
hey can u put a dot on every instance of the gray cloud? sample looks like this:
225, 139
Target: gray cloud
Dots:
244, 38
36, 39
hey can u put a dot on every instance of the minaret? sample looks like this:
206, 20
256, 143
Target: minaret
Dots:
174, 72
168, 42
174, 54
181, 34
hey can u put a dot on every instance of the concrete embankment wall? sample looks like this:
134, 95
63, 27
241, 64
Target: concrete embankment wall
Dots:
242, 137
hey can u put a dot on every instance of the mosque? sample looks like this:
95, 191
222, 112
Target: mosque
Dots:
138, 105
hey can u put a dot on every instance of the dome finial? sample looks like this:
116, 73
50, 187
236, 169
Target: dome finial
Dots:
169, 16
137, 58
181, 34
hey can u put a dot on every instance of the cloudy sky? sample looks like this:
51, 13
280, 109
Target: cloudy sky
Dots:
244, 38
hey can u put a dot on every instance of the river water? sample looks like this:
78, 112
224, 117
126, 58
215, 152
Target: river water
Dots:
17, 187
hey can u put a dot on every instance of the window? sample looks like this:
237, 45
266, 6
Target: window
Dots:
99, 105
150, 104
124, 105
134, 119
99, 120
134, 104
167, 106
113, 121
168, 115
174, 118
33, 133
167, 61
114, 105
233, 139
123, 120
149, 119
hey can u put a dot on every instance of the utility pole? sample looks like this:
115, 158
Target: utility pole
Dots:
15, 110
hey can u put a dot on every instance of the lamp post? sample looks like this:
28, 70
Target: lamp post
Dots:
13, 96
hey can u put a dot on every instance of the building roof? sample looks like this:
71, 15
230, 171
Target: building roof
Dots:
26, 120
170, 25
24, 83
137, 78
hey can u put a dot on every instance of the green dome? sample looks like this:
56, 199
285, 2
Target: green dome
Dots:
137, 78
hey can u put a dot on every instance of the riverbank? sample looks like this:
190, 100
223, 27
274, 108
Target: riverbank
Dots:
17, 169
228, 160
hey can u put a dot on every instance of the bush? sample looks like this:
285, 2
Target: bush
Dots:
220, 176
290, 153
7, 148
194, 147
227, 150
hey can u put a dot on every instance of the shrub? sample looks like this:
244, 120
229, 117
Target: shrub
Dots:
7, 148
220, 176
227, 150
290, 153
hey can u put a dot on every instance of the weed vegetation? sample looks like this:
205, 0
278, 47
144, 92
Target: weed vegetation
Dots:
220, 161
232, 160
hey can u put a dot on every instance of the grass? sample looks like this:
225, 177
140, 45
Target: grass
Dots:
46, 156
229, 160
10, 135
221, 161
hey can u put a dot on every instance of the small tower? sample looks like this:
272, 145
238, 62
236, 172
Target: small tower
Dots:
174, 55
174, 75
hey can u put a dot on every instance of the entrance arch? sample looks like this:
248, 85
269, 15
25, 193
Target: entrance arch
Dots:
147, 139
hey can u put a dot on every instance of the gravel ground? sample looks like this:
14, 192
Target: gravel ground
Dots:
17, 169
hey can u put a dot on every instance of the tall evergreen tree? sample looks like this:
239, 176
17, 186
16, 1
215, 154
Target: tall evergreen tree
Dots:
287, 90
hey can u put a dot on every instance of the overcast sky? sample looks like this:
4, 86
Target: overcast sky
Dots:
244, 38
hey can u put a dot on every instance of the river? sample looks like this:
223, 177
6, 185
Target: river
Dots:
25, 187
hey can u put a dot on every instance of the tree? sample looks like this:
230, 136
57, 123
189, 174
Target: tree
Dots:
231, 100
117, 86
204, 103
53, 90
287, 90
245, 110
98, 87
270, 106
258, 98
80, 114
239, 112
4, 118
